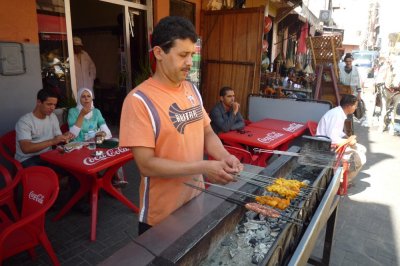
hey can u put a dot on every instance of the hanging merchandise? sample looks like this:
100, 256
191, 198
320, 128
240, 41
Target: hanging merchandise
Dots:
298, 67
308, 69
194, 74
302, 43
267, 24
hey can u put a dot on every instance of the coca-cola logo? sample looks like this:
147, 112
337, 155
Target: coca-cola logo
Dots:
36, 197
293, 127
92, 160
271, 136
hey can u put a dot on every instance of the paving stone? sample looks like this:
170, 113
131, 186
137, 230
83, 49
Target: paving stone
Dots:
92, 257
73, 261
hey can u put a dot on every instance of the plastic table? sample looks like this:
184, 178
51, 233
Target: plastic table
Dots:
86, 167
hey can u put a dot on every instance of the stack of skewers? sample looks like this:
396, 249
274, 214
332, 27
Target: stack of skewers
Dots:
281, 192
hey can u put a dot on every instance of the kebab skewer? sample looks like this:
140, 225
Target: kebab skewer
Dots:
271, 201
252, 206
269, 179
287, 193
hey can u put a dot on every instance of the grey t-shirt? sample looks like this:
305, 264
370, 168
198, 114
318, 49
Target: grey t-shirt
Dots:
29, 127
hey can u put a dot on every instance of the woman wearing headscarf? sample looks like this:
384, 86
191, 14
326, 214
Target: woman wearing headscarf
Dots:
84, 120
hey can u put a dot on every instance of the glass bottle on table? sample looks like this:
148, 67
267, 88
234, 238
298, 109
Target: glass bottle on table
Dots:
90, 137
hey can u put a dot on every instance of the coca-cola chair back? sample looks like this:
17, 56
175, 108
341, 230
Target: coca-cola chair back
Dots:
246, 157
312, 127
40, 190
242, 155
8, 141
5, 177
7, 187
12, 165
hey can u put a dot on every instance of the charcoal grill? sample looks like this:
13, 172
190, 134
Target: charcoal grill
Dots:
193, 233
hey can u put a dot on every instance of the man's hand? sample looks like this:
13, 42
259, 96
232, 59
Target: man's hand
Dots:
66, 137
235, 107
234, 164
219, 172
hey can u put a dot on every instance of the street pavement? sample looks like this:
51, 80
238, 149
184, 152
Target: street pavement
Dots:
368, 222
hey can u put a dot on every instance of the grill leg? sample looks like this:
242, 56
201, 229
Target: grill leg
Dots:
330, 231
328, 240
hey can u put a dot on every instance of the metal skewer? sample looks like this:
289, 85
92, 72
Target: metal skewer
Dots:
264, 183
240, 192
227, 188
263, 186
243, 203
255, 178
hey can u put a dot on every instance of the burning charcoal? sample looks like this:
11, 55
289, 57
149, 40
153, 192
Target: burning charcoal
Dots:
257, 222
251, 215
260, 234
261, 249
267, 239
251, 226
233, 252
253, 242
256, 258
262, 217
227, 241
241, 229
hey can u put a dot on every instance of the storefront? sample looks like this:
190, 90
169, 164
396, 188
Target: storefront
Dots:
115, 34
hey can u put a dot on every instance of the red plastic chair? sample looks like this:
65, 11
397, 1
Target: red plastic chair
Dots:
242, 155
9, 168
245, 156
40, 190
7, 195
312, 127
8, 140
233, 144
345, 164
64, 128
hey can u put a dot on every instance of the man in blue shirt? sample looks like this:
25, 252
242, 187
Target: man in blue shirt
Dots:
225, 115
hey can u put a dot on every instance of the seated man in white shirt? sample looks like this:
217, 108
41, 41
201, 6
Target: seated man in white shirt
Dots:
331, 125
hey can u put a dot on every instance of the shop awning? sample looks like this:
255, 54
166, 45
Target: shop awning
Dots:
51, 24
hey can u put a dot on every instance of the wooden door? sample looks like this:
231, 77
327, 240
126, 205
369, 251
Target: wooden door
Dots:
231, 53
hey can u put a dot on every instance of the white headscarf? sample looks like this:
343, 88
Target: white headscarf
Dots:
79, 105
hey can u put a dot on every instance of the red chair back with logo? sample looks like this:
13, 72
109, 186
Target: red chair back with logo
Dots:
40, 190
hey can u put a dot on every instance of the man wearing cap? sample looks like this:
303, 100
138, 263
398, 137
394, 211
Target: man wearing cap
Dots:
85, 70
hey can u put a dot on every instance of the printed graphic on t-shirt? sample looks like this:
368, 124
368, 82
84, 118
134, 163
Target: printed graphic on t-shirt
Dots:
180, 118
